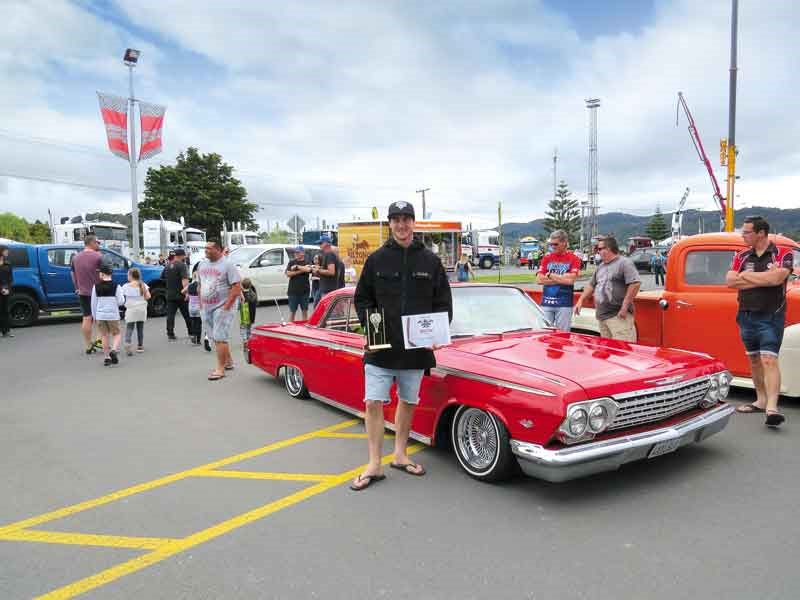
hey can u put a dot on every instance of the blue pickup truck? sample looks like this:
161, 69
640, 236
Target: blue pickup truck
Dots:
43, 280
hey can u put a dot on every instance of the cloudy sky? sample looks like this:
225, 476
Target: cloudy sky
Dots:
328, 108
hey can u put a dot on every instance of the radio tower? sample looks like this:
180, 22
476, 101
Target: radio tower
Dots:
592, 104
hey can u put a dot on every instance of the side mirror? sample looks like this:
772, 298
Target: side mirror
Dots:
664, 304
264, 263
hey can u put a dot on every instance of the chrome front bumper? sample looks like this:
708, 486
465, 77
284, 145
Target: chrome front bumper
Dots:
581, 460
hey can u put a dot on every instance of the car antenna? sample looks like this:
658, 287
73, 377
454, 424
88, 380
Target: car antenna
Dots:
278, 306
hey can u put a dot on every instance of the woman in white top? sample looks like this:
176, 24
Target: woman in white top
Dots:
136, 295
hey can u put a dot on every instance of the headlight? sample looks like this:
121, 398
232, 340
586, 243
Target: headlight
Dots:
713, 389
578, 421
598, 418
724, 385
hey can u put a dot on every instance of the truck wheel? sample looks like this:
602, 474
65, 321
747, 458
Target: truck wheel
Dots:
487, 262
23, 310
157, 307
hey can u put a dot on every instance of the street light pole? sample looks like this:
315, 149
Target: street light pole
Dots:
130, 59
729, 211
424, 214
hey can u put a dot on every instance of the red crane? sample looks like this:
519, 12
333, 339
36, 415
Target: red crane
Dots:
701, 152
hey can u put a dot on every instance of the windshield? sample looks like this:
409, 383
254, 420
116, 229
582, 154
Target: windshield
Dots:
525, 247
478, 310
244, 256
251, 240
192, 236
110, 233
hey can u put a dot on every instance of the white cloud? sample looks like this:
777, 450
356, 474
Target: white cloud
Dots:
387, 97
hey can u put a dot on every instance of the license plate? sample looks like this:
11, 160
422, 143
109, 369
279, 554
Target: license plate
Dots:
664, 447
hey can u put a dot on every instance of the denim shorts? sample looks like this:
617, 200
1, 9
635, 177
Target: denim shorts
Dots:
217, 322
378, 381
298, 300
762, 333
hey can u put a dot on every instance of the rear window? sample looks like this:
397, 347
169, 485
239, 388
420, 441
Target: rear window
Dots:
708, 267
18, 257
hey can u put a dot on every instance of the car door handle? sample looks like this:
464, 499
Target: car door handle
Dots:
52, 274
683, 303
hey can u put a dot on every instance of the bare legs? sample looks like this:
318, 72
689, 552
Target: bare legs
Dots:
86, 330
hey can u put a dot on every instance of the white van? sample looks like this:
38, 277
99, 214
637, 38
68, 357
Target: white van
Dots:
265, 266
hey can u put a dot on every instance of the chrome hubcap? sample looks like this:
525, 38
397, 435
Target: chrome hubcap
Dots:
294, 380
477, 438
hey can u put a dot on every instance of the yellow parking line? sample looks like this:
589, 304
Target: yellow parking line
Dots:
351, 436
315, 477
178, 546
85, 539
149, 485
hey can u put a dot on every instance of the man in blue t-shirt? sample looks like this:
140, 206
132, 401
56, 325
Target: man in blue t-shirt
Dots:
558, 272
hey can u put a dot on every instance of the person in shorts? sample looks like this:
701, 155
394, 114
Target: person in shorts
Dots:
299, 288
614, 284
106, 299
401, 258
220, 288
760, 273
83, 268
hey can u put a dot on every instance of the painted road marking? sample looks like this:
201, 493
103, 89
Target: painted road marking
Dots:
162, 548
352, 436
86, 539
315, 477
149, 485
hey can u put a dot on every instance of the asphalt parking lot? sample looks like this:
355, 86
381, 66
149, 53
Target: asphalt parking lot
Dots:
147, 481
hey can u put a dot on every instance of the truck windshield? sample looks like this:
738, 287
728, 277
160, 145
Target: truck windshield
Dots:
192, 236
104, 232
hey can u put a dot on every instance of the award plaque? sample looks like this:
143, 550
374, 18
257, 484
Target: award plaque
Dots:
376, 331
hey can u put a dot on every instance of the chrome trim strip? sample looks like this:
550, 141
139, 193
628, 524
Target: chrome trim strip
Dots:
356, 413
310, 341
607, 455
662, 388
492, 381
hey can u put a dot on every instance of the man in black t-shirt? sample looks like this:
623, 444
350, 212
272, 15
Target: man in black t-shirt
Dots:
298, 271
760, 274
328, 270
176, 275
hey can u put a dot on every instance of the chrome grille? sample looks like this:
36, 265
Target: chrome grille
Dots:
655, 404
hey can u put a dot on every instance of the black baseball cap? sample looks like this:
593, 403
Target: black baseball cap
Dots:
180, 252
401, 207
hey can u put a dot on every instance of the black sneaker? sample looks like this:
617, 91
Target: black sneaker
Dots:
91, 349
171, 337
106, 362
195, 340
206, 344
114, 357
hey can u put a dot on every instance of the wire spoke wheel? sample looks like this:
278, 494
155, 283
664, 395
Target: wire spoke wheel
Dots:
293, 380
477, 438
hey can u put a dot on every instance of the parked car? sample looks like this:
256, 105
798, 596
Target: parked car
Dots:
641, 257
511, 391
43, 280
265, 266
696, 310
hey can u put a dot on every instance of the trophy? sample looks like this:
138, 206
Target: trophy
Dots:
376, 331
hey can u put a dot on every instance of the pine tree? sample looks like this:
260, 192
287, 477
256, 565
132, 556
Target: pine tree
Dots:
657, 227
563, 213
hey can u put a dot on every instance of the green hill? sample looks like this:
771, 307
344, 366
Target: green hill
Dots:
622, 225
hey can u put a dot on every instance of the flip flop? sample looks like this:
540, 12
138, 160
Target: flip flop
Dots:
370, 479
774, 420
216, 376
748, 409
409, 468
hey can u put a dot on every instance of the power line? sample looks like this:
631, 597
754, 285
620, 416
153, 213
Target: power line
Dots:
105, 188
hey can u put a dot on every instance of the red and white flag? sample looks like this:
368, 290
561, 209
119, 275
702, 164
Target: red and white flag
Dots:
115, 117
152, 116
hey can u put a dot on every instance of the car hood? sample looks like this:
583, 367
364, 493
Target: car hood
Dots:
600, 366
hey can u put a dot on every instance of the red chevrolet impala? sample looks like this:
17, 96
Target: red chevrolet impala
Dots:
511, 391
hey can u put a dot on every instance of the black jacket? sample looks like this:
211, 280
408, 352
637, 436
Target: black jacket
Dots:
402, 281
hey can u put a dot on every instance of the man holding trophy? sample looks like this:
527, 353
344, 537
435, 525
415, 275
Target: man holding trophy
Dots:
399, 279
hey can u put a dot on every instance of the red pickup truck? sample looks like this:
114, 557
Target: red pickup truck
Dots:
696, 311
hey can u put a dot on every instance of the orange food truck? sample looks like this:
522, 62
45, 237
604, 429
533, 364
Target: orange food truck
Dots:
359, 239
